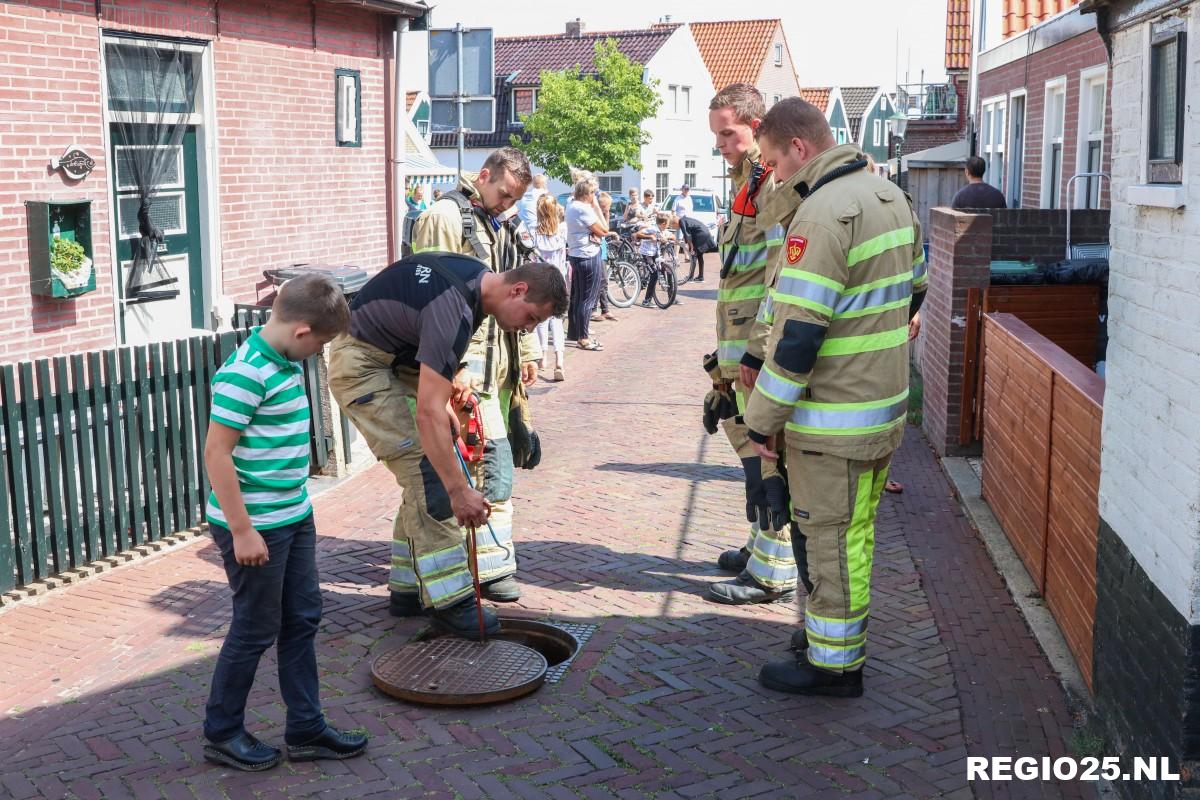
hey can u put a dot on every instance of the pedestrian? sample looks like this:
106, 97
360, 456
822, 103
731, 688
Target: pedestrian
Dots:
834, 383
550, 241
437, 195
256, 456
977, 194
527, 206
499, 363
631, 210
699, 241
604, 200
584, 229
648, 209
683, 203
765, 566
416, 201
396, 376
650, 238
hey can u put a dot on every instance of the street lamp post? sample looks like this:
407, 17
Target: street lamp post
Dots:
897, 126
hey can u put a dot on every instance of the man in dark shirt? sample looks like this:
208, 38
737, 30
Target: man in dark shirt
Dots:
977, 194
394, 376
696, 234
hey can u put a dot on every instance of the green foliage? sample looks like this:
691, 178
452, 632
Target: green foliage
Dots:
66, 256
590, 121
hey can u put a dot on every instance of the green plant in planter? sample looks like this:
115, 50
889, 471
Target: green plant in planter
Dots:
66, 256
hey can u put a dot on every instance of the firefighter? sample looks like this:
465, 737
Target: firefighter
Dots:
500, 364
835, 379
765, 566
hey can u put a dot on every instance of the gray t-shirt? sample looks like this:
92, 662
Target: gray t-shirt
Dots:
416, 314
580, 219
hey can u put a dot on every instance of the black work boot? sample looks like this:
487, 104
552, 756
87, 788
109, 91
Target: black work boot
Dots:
330, 743
744, 590
504, 590
404, 604
799, 640
462, 619
734, 560
797, 676
242, 752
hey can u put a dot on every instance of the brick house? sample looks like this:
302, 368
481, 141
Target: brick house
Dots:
680, 147
753, 51
937, 112
1041, 111
283, 158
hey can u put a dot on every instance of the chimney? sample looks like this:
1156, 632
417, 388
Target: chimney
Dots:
575, 29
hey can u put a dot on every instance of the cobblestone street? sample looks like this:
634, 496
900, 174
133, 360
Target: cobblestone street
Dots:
619, 528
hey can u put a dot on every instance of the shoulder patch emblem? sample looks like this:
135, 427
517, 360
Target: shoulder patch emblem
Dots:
795, 248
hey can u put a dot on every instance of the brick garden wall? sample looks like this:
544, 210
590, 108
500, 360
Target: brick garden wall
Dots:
287, 193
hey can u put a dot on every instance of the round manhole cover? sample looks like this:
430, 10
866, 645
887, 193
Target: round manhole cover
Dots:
458, 672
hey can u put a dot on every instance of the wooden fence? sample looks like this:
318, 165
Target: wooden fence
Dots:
1041, 468
104, 451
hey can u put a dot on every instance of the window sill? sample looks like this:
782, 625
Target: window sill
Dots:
1158, 195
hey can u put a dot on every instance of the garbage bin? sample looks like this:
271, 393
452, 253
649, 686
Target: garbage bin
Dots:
348, 278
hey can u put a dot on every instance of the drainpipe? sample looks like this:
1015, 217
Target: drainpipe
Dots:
399, 208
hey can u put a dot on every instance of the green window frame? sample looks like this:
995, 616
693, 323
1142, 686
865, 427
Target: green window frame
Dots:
347, 93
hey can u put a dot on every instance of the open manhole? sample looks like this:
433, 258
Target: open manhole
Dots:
440, 669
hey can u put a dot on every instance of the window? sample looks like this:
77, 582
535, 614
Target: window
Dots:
661, 186
775, 98
521, 102
1092, 89
347, 108
1052, 143
779, 54
1168, 62
877, 133
1016, 149
610, 183
689, 171
685, 100
991, 140
673, 98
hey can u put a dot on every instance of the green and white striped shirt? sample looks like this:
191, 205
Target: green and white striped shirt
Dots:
259, 392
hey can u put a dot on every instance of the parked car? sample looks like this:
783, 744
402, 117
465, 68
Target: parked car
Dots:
705, 207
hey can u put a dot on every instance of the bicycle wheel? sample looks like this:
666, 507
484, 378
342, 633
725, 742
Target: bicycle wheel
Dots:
665, 288
682, 274
623, 284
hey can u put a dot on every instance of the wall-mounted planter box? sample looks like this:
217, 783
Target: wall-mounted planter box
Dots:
71, 220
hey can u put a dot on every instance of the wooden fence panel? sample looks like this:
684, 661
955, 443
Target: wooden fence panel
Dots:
90, 499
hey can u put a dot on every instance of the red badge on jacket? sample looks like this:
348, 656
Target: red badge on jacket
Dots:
795, 248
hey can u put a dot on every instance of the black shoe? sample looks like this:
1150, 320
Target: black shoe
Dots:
462, 619
744, 590
734, 560
330, 743
403, 604
797, 676
242, 752
505, 590
646, 303
799, 640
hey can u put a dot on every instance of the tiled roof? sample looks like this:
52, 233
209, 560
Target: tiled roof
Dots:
856, 100
958, 34
817, 95
528, 56
1021, 15
734, 50
409, 99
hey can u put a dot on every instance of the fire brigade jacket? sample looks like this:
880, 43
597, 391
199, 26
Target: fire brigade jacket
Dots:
440, 228
746, 244
836, 373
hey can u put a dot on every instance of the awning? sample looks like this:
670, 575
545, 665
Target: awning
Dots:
418, 169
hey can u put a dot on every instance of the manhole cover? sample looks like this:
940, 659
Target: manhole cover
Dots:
458, 672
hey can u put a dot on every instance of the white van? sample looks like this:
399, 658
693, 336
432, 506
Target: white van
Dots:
705, 208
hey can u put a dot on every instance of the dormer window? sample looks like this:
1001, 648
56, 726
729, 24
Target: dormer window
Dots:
522, 101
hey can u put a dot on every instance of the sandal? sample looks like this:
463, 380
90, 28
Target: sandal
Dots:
893, 487
591, 345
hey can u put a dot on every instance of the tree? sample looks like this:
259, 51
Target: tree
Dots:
592, 121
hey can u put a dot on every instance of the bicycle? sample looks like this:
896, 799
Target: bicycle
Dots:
666, 286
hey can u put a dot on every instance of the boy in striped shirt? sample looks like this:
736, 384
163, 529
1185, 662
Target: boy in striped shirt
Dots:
256, 455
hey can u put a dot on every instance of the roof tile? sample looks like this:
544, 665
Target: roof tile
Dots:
734, 50
817, 95
958, 34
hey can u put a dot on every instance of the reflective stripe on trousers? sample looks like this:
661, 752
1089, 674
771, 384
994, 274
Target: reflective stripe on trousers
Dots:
772, 563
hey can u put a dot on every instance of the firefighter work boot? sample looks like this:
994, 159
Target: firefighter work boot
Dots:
505, 590
799, 641
797, 676
462, 619
404, 604
744, 590
734, 560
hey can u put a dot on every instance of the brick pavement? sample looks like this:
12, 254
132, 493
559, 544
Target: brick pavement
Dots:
619, 527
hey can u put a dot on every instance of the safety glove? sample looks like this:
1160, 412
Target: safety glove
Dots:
776, 492
526, 448
721, 402
758, 510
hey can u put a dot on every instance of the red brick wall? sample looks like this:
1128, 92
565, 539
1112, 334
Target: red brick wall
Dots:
1041, 468
960, 247
924, 134
1064, 59
286, 192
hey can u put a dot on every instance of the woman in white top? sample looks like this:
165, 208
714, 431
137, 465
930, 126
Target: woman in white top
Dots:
550, 240
585, 226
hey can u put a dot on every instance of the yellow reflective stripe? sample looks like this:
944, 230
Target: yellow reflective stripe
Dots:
774, 386
417, 250
860, 537
880, 244
812, 277
731, 351
758, 290
888, 281
852, 345
863, 406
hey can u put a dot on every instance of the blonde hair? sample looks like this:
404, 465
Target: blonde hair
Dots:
547, 215
585, 183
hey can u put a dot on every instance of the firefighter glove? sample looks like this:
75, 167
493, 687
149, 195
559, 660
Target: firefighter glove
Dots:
526, 448
757, 508
775, 489
719, 404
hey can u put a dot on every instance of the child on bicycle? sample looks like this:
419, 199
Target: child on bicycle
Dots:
649, 237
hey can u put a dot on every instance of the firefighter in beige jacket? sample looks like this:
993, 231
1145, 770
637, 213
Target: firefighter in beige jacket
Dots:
499, 365
834, 382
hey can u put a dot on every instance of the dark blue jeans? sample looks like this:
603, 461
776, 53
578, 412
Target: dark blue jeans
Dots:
279, 601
